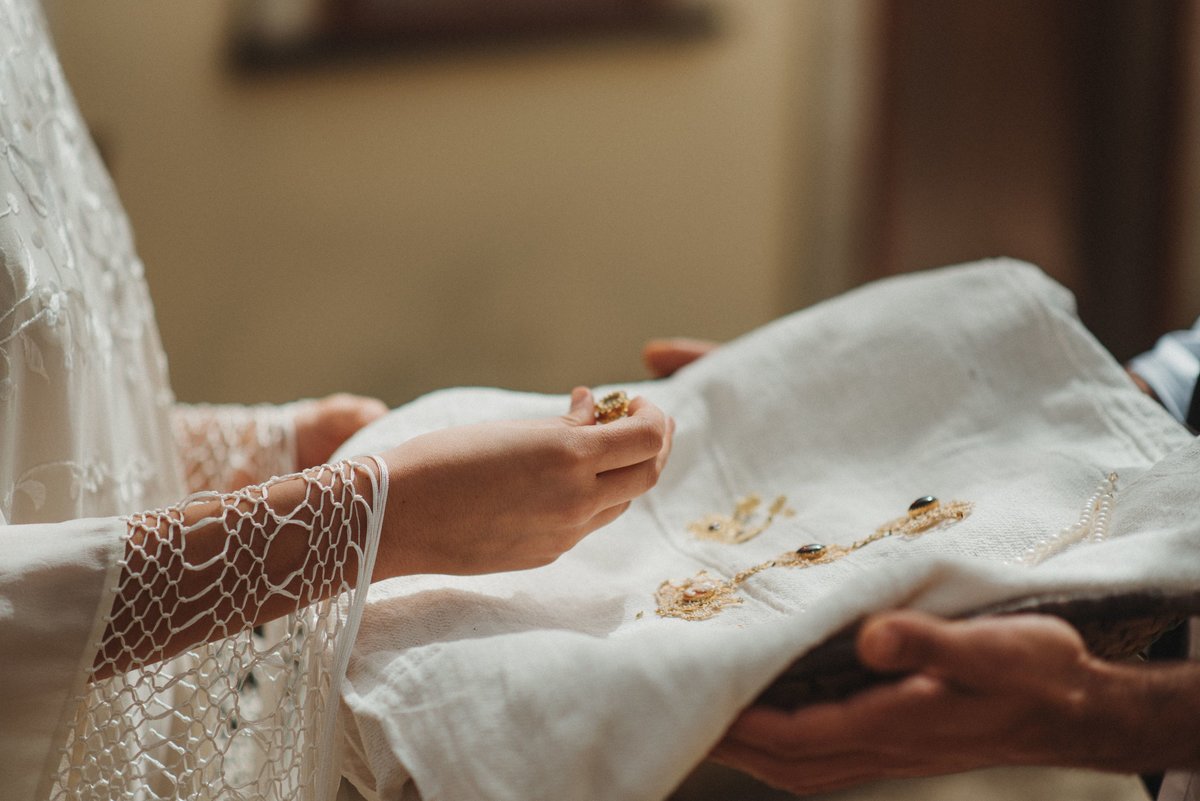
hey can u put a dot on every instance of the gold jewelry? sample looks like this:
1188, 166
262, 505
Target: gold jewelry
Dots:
736, 528
612, 406
703, 596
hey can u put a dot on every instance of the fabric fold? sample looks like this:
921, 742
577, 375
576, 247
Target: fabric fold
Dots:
55, 588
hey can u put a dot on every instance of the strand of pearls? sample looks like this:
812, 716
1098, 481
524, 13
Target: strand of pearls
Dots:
1092, 526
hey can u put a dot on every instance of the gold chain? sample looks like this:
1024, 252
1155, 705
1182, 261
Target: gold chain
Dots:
702, 596
737, 527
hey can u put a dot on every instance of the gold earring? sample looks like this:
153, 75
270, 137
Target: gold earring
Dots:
612, 406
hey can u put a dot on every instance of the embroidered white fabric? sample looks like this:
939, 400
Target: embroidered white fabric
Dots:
86, 435
84, 396
975, 384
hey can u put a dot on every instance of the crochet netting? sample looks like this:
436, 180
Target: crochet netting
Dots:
225, 447
91, 430
249, 715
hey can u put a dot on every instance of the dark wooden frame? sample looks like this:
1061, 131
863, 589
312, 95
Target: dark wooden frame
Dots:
353, 30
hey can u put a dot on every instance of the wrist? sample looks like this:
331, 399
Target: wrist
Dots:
301, 418
398, 554
1145, 717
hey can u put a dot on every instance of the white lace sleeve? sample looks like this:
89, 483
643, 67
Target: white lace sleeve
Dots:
224, 447
242, 710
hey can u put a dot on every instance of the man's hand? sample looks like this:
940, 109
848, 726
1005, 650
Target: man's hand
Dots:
1019, 690
515, 495
664, 356
323, 425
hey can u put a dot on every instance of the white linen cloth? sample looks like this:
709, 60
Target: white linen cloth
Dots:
53, 578
975, 383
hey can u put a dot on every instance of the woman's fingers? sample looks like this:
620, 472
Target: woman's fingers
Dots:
664, 356
665, 453
626, 483
630, 440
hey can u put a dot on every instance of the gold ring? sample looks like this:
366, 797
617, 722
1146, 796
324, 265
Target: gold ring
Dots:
612, 406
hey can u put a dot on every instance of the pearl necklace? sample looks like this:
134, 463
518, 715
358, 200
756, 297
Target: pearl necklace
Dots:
1092, 526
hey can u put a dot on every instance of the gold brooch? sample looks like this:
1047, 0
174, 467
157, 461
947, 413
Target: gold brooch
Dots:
703, 596
737, 528
612, 406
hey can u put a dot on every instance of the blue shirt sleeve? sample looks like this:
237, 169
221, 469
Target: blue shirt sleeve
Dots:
1171, 369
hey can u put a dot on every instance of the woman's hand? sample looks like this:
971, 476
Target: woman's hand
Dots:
510, 496
664, 356
323, 425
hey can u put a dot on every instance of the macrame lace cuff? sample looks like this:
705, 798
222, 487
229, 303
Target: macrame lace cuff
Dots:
248, 709
225, 447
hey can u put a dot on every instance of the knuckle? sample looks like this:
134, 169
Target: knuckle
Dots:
567, 454
556, 545
650, 436
575, 508
924, 690
649, 476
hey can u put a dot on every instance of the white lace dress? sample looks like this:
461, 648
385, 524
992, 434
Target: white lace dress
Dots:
90, 442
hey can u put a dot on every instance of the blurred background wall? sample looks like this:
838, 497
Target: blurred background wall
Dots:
525, 216
1062, 132
522, 217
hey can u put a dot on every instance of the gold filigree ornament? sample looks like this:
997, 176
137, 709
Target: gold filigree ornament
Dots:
612, 406
739, 527
702, 596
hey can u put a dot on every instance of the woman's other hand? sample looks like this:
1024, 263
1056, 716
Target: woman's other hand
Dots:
323, 425
506, 496
664, 356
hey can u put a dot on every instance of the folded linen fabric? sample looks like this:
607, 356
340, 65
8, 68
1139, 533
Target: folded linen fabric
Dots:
973, 383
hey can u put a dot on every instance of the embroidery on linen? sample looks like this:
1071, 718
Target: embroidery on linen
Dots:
739, 527
703, 596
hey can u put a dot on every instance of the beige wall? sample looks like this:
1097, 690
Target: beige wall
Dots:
523, 219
